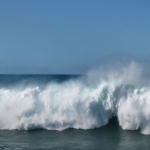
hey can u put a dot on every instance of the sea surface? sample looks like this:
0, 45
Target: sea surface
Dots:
92, 111
108, 137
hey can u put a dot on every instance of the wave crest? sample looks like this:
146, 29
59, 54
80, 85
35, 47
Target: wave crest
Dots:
84, 103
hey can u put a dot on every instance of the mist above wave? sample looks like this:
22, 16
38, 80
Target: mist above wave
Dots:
84, 103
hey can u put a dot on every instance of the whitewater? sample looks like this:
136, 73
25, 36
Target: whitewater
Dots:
86, 102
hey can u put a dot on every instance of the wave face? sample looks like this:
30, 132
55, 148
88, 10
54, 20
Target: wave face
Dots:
84, 102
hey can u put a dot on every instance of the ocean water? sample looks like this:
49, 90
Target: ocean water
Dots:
108, 137
104, 109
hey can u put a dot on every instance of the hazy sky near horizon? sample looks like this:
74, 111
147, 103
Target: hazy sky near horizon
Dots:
69, 36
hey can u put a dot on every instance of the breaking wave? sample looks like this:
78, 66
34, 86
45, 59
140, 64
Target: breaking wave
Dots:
87, 102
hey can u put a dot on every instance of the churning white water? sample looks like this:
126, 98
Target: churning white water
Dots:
84, 103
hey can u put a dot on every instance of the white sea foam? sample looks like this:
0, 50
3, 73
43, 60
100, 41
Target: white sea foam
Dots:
84, 103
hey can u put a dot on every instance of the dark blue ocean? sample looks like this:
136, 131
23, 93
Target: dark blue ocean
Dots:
73, 112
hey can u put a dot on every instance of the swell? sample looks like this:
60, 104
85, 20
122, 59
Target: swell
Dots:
85, 102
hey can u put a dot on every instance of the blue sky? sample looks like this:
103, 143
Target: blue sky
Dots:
69, 36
